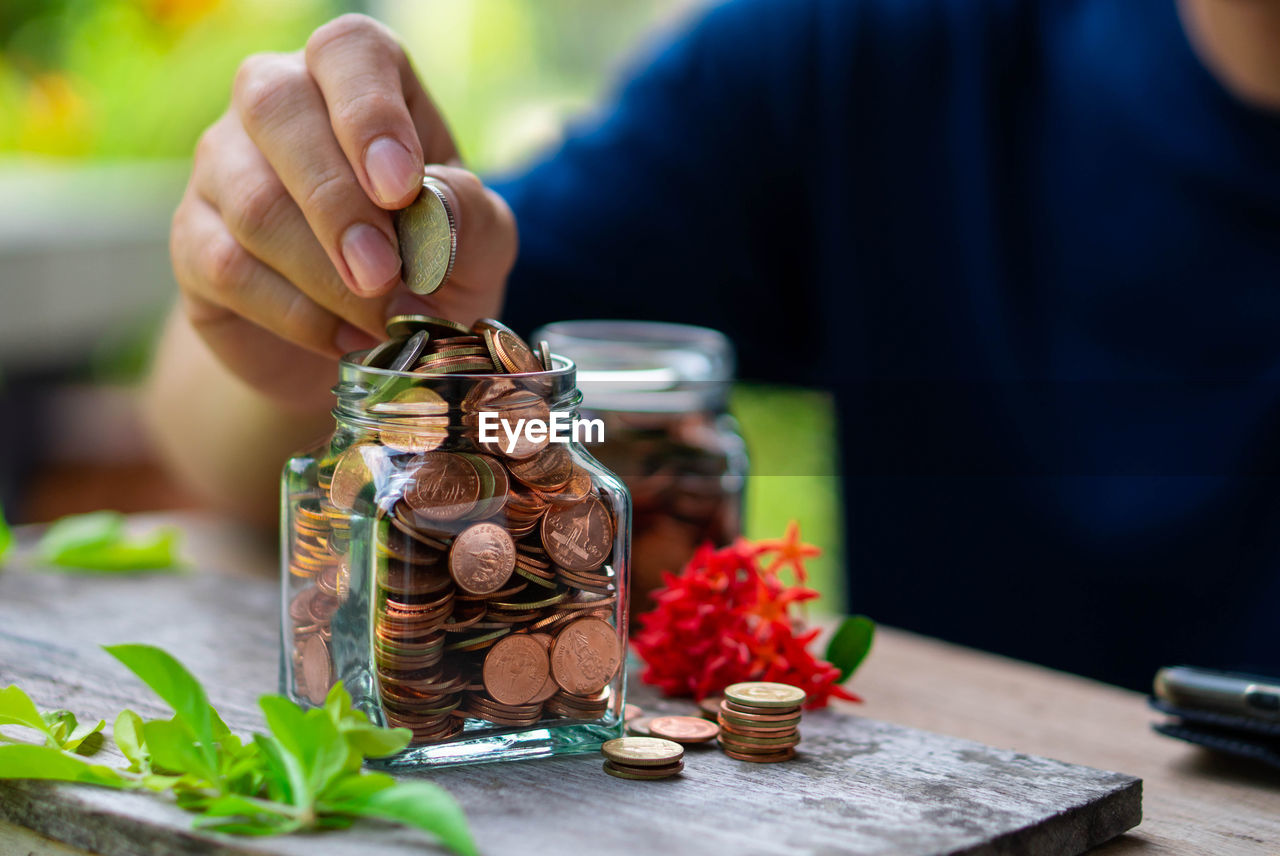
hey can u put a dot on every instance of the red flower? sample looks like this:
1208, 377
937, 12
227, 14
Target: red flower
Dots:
725, 619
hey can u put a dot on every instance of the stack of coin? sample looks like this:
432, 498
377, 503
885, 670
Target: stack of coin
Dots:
760, 721
496, 597
642, 758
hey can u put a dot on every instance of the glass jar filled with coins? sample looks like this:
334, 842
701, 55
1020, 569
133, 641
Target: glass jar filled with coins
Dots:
450, 558
662, 392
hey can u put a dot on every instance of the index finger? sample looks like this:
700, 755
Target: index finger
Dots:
383, 120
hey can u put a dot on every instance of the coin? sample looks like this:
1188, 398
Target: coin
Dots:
578, 537
785, 755
410, 352
585, 655
428, 236
546, 471
350, 475
515, 669
401, 326
631, 711
639, 726
683, 729
444, 487
764, 694
317, 669
482, 559
642, 751
549, 686
710, 707
642, 773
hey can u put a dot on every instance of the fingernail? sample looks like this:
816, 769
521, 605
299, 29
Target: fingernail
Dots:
392, 170
373, 261
351, 338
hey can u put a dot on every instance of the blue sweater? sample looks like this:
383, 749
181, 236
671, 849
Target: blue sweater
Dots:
1034, 250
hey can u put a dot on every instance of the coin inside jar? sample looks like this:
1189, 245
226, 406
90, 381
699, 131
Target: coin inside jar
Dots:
444, 487
482, 558
585, 656
578, 537
515, 669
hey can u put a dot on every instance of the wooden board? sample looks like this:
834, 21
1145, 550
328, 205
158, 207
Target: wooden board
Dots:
859, 786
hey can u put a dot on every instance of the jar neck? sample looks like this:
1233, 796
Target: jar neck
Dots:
369, 399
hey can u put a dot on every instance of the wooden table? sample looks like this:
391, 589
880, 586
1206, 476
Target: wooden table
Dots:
1193, 802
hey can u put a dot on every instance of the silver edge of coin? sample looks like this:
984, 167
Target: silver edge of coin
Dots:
436, 186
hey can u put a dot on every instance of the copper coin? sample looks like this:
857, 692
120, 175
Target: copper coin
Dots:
549, 470
317, 669
444, 487
639, 726
683, 729
549, 686
578, 537
482, 558
576, 489
785, 755
631, 711
710, 707
642, 773
515, 669
509, 349
585, 656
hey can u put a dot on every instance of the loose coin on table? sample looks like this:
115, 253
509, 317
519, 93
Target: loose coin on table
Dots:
683, 729
642, 757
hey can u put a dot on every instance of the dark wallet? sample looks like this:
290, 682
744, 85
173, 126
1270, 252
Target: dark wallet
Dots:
1244, 736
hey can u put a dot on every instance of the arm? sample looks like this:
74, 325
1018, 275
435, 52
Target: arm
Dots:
686, 199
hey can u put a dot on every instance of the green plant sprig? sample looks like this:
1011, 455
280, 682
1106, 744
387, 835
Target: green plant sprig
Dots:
306, 773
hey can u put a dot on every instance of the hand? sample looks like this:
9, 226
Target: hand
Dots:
283, 245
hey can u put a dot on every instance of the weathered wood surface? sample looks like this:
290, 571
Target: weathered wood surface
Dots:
859, 786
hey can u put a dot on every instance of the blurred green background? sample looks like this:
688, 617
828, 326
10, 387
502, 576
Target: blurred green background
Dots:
88, 84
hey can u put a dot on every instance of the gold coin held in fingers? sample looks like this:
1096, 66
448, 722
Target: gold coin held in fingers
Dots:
428, 233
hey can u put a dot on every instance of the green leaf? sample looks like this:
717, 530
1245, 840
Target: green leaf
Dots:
24, 761
6, 535
276, 772
17, 708
80, 532
60, 724
356, 787
311, 739
97, 541
127, 733
851, 644
85, 739
173, 750
365, 739
420, 804
170, 680
236, 810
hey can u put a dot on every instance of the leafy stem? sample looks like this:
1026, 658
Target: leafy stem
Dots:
305, 773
